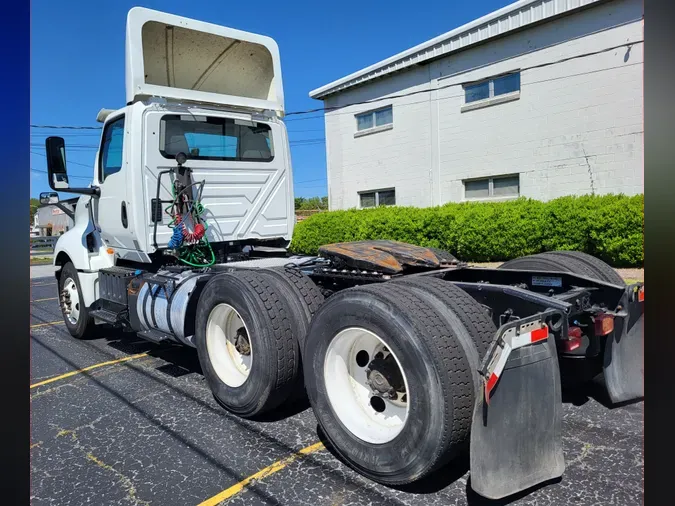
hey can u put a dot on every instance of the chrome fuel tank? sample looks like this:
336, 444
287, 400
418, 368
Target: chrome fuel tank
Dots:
169, 306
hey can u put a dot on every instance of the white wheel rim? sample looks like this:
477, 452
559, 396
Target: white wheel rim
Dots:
70, 301
351, 397
231, 366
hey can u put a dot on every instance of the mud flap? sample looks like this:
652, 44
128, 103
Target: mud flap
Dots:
516, 439
623, 361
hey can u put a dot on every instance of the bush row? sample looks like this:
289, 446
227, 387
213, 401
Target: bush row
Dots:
609, 227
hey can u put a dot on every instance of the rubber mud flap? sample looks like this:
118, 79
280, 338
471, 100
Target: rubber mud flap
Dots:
516, 439
623, 361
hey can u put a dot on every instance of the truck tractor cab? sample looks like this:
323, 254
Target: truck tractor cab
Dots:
203, 115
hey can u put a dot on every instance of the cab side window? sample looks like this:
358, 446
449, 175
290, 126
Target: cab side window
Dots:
111, 149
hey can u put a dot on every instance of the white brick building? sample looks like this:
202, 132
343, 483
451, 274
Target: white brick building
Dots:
489, 111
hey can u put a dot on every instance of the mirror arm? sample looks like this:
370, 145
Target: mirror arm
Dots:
94, 191
67, 211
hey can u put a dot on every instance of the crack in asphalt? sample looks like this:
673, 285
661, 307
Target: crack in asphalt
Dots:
124, 481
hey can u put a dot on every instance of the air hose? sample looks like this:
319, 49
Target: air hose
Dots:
176, 239
189, 230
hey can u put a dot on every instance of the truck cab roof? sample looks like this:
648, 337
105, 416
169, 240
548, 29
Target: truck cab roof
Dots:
182, 59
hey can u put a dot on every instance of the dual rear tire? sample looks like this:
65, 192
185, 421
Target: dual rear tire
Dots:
391, 374
250, 326
390, 370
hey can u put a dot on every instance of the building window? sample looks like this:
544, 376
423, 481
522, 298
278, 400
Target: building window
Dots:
492, 187
492, 88
374, 121
377, 198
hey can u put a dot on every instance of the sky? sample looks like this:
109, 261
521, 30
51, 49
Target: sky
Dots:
77, 62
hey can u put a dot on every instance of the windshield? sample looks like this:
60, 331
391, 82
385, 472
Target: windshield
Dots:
208, 138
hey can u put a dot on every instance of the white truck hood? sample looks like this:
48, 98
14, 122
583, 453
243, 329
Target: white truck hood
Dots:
183, 59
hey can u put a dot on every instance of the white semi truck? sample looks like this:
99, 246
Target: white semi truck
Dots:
408, 356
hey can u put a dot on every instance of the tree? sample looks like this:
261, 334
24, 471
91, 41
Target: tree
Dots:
34, 204
312, 204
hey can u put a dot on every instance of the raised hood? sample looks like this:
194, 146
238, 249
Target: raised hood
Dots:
179, 58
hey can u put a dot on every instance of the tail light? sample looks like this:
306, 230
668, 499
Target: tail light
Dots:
573, 339
641, 294
604, 324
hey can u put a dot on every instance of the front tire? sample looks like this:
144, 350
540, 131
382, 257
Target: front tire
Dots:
75, 313
245, 343
397, 430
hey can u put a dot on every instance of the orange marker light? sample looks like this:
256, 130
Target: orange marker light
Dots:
110, 251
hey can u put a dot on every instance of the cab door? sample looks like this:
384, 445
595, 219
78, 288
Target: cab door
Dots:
112, 208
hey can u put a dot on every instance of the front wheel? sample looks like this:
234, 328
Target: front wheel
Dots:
76, 315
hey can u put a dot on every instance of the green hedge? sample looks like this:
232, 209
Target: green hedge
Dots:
609, 227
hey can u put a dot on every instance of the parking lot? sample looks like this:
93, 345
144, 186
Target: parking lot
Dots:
117, 420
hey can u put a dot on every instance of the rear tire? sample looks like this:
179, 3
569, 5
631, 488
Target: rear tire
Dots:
75, 313
437, 378
302, 299
603, 270
567, 261
253, 370
301, 292
473, 316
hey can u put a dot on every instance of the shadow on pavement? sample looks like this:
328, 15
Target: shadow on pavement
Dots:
179, 356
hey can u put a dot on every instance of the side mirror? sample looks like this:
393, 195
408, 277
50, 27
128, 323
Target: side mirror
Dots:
47, 198
56, 163
56, 169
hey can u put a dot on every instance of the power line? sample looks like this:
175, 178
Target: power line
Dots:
45, 172
310, 180
67, 127
402, 95
74, 163
417, 92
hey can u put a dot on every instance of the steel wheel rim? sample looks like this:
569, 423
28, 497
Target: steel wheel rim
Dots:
230, 364
70, 301
351, 397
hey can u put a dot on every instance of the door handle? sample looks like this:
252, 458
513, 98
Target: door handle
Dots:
125, 222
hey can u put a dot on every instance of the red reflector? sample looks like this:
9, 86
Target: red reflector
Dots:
489, 386
574, 332
641, 294
604, 324
539, 334
572, 343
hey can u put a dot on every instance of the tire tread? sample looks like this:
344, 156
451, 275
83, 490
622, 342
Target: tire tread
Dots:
305, 287
442, 343
278, 331
471, 313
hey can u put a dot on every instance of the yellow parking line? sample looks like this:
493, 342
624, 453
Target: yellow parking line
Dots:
95, 366
263, 473
42, 300
45, 324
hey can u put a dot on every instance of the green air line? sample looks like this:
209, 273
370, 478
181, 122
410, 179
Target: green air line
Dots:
193, 255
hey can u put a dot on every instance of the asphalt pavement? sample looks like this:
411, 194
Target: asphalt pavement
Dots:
119, 421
